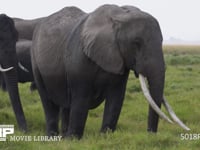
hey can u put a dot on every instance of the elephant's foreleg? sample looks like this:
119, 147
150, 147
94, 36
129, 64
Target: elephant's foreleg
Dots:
112, 110
113, 105
51, 113
78, 112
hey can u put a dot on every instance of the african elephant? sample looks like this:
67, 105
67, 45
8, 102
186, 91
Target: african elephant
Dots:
8, 66
80, 59
25, 29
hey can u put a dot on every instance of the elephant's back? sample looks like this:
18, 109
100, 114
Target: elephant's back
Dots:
49, 43
50, 38
62, 21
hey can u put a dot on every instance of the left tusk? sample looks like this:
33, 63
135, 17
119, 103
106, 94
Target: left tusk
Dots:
173, 115
5, 70
22, 67
151, 101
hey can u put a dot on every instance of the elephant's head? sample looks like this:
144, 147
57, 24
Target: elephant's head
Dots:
126, 38
8, 65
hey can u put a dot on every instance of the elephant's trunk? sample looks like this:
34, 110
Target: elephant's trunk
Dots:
155, 98
12, 87
156, 86
150, 99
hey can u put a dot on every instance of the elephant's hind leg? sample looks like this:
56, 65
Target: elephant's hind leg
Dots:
51, 110
78, 111
64, 120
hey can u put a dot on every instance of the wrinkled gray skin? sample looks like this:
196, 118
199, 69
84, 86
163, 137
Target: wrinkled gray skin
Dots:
81, 59
8, 58
23, 48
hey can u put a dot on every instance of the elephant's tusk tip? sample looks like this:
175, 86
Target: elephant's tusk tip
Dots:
188, 129
22, 67
173, 115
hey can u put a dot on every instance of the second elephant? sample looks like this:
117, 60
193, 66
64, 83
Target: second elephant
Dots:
81, 59
8, 66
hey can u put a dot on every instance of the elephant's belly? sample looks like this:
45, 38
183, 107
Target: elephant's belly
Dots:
98, 94
53, 76
96, 101
57, 90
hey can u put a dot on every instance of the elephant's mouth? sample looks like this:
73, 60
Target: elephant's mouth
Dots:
157, 109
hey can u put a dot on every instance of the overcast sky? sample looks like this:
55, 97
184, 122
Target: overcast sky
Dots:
178, 18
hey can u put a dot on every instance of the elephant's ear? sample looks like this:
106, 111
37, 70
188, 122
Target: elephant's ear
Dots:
99, 43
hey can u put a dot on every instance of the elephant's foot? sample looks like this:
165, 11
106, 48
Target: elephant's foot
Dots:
72, 135
52, 129
153, 120
23, 127
52, 133
107, 129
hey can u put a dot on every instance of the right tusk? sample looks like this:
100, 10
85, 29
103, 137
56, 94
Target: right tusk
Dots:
22, 67
5, 70
173, 115
150, 99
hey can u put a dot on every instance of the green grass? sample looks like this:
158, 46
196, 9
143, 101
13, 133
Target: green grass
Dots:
182, 89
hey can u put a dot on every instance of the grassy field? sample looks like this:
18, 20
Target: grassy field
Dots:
182, 89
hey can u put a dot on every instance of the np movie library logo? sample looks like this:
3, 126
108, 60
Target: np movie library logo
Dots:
5, 130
